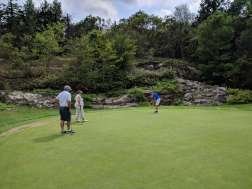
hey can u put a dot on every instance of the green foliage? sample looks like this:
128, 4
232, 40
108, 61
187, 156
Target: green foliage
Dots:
237, 96
209, 7
137, 94
215, 36
168, 86
125, 50
9, 51
141, 77
30, 19
88, 99
102, 63
218, 43
46, 43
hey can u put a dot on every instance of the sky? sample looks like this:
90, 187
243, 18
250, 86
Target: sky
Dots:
117, 9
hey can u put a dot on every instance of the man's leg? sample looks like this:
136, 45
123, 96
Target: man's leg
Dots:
62, 126
82, 114
68, 125
157, 105
76, 114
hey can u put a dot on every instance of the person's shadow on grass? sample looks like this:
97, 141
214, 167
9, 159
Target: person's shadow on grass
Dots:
47, 138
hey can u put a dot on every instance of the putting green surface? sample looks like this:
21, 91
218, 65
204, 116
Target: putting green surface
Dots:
179, 148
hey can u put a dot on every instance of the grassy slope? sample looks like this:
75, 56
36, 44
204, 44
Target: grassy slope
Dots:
179, 148
18, 115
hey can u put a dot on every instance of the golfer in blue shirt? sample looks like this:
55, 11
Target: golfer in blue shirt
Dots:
156, 100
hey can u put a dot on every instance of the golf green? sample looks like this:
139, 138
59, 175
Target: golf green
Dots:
179, 148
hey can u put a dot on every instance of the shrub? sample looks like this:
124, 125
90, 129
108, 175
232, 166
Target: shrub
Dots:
237, 96
169, 86
137, 94
141, 77
88, 99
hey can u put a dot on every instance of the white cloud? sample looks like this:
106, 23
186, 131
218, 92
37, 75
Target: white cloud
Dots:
113, 8
82, 8
164, 12
103, 8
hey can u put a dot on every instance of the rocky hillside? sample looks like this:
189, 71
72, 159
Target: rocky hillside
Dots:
191, 92
188, 90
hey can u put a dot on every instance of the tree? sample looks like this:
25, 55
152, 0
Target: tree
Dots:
49, 14
103, 62
240, 7
244, 57
215, 36
173, 39
2, 19
85, 26
141, 27
46, 43
207, 8
183, 14
12, 16
8, 51
56, 11
30, 19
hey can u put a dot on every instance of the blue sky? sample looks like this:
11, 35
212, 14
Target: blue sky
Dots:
117, 9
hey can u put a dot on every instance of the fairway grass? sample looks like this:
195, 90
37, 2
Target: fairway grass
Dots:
179, 148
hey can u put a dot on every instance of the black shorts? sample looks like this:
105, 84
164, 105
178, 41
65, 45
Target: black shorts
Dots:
65, 114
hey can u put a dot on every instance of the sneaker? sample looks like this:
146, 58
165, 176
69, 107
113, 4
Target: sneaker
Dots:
71, 131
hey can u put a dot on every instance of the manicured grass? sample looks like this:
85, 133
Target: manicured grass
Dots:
179, 148
13, 116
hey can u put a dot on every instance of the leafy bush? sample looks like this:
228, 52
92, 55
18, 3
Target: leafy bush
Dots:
141, 77
169, 86
137, 94
237, 96
88, 99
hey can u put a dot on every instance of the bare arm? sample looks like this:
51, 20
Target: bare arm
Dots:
78, 101
69, 105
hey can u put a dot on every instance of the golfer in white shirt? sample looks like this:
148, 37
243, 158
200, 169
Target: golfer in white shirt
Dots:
64, 100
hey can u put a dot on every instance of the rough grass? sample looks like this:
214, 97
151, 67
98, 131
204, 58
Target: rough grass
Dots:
180, 148
13, 116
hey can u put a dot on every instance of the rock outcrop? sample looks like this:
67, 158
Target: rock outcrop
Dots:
190, 93
115, 102
25, 98
195, 92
